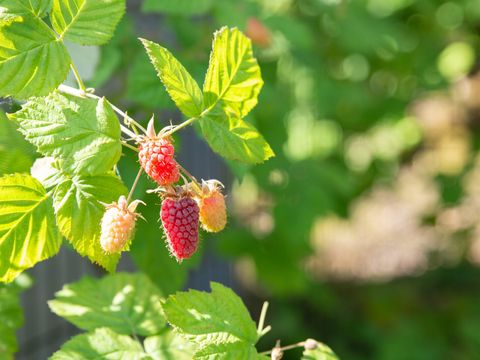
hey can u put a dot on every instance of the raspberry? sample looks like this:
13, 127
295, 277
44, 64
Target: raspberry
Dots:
156, 155
156, 158
213, 211
180, 221
118, 225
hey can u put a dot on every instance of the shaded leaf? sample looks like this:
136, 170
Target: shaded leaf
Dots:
79, 212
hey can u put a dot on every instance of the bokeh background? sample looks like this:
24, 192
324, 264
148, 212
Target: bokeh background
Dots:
364, 230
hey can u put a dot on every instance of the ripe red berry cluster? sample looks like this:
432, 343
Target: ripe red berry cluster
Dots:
180, 219
157, 159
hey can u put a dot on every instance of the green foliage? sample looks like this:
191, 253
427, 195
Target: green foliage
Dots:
233, 79
87, 22
322, 352
125, 303
231, 89
32, 61
114, 309
180, 85
102, 343
11, 316
16, 155
218, 322
28, 233
83, 133
78, 206
36, 7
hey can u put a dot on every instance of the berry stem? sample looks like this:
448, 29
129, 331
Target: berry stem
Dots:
81, 85
186, 172
130, 194
179, 127
288, 347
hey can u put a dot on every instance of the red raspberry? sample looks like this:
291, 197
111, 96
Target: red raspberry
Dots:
180, 221
118, 225
156, 158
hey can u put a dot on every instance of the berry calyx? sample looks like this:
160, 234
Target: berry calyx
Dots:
180, 220
156, 156
118, 225
213, 210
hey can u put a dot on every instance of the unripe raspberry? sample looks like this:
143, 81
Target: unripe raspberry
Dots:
156, 156
118, 225
213, 211
180, 222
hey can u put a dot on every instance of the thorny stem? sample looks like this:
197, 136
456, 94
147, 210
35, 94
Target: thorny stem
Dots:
130, 194
81, 85
284, 348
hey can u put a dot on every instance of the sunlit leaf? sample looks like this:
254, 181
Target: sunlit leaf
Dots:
28, 232
233, 79
218, 322
125, 303
235, 139
180, 85
32, 61
87, 22
84, 133
103, 343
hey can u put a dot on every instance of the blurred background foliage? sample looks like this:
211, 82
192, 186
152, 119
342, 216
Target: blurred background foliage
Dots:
364, 230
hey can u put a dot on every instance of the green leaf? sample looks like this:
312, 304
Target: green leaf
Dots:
79, 212
322, 352
218, 321
183, 7
144, 87
87, 22
102, 343
16, 155
36, 7
32, 61
231, 89
125, 303
180, 85
233, 79
227, 351
84, 133
235, 139
11, 316
168, 346
28, 233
